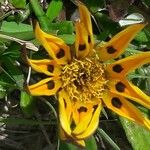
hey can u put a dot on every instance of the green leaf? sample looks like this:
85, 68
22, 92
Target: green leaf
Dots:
18, 3
147, 2
4, 83
2, 92
147, 32
20, 16
67, 38
106, 137
95, 5
54, 9
64, 27
6, 80
20, 30
3, 47
108, 27
13, 51
27, 104
137, 135
13, 72
91, 143
67, 146
141, 37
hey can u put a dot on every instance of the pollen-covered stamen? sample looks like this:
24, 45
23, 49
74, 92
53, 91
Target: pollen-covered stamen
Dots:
84, 79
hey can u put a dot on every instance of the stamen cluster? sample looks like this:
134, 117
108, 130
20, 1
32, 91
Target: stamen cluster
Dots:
84, 79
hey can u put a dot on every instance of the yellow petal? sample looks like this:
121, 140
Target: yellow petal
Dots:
124, 108
85, 114
130, 91
80, 110
80, 143
85, 18
62, 134
48, 86
84, 35
92, 126
118, 43
122, 67
46, 66
55, 46
65, 111
65, 137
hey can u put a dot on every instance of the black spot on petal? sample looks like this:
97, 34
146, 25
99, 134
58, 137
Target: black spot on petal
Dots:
60, 54
120, 87
89, 39
51, 84
59, 89
50, 68
117, 68
95, 107
111, 49
116, 102
82, 109
65, 103
82, 47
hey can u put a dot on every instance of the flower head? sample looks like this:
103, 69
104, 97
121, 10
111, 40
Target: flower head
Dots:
84, 81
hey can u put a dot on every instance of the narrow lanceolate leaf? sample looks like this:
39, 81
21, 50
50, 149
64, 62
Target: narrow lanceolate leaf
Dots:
13, 72
138, 136
27, 103
106, 137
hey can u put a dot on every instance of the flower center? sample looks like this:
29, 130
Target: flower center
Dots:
84, 79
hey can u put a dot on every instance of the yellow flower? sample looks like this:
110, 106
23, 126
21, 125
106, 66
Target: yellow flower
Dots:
84, 81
